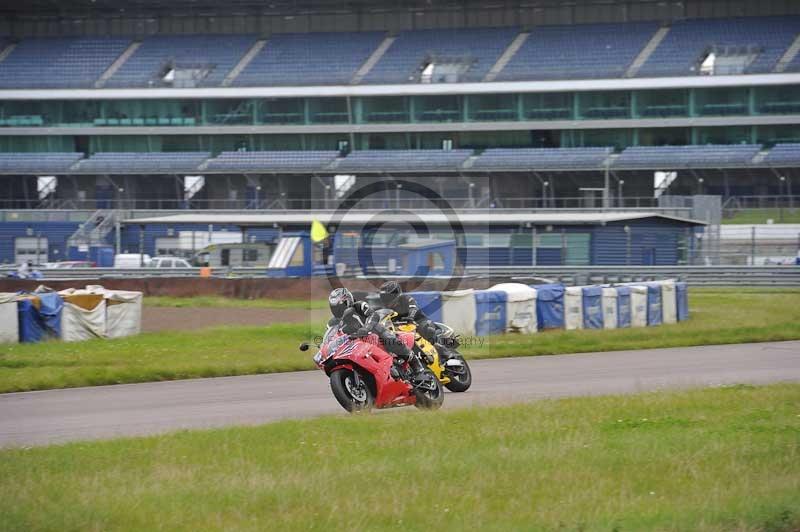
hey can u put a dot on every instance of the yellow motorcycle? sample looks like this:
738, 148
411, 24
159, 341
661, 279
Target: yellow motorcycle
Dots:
449, 366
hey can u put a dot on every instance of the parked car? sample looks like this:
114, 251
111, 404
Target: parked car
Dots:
131, 260
169, 262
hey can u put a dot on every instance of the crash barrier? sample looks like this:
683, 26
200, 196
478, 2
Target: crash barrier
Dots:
515, 307
69, 315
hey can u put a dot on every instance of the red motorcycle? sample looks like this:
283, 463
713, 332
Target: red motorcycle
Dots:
363, 374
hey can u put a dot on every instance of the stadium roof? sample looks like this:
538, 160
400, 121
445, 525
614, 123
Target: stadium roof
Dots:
360, 217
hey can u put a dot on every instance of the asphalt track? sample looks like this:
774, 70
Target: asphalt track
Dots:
55, 416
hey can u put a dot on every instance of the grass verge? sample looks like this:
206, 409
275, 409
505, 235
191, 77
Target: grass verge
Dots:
760, 216
718, 316
707, 460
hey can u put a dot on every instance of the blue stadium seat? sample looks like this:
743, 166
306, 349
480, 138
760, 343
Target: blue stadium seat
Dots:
36, 163
680, 53
783, 154
219, 53
272, 161
403, 160
144, 162
402, 62
672, 157
542, 158
309, 59
588, 51
59, 62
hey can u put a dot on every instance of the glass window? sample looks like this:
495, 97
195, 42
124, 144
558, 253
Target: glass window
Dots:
722, 102
553, 106
298, 258
327, 110
778, 100
662, 103
724, 135
665, 136
229, 112
605, 105
438, 108
281, 111
771, 135
489, 107
382, 110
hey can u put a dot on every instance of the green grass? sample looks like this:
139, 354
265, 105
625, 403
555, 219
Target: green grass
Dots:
760, 216
227, 302
718, 316
719, 459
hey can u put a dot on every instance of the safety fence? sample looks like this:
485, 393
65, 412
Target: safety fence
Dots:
521, 308
69, 315
778, 275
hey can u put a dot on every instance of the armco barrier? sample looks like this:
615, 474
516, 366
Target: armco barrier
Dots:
566, 275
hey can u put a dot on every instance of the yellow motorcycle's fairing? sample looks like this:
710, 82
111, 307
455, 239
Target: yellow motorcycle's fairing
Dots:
427, 348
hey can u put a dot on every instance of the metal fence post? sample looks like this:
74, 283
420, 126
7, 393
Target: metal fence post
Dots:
753, 245
563, 247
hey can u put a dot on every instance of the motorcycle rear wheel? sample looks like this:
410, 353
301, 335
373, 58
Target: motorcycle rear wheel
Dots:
352, 398
459, 381
430, 399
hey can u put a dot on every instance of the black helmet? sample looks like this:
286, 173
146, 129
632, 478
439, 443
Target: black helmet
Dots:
340, 300
390, 291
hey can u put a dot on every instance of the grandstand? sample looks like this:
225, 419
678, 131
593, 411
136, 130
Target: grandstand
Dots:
184, 105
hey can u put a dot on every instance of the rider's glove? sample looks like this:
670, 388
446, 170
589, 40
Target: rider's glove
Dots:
361, 333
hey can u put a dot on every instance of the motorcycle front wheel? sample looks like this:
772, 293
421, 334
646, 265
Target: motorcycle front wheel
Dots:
430, 396
353, 397
460, 378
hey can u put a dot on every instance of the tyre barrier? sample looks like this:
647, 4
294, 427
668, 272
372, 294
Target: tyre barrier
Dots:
69, 315
520, 308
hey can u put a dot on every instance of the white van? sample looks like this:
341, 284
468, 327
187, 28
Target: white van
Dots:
131, 260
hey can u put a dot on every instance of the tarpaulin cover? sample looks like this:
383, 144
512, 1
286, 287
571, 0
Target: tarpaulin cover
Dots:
520, 307
550, 305
430, 303
458, 311
623, 306
9, 323
573, 307
123, 311
592, 307
39, 317
682, 301
84, 315
610, 305
669, 311
638, 306
654, 304
490, 308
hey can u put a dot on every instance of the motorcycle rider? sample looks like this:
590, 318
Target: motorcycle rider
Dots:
357, 320
392, 297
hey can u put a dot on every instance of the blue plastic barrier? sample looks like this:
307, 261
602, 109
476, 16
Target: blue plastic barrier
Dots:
653, 304
550, 305
430, 303
490, 312
682, 300
43, 323
592, 300
623, 306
